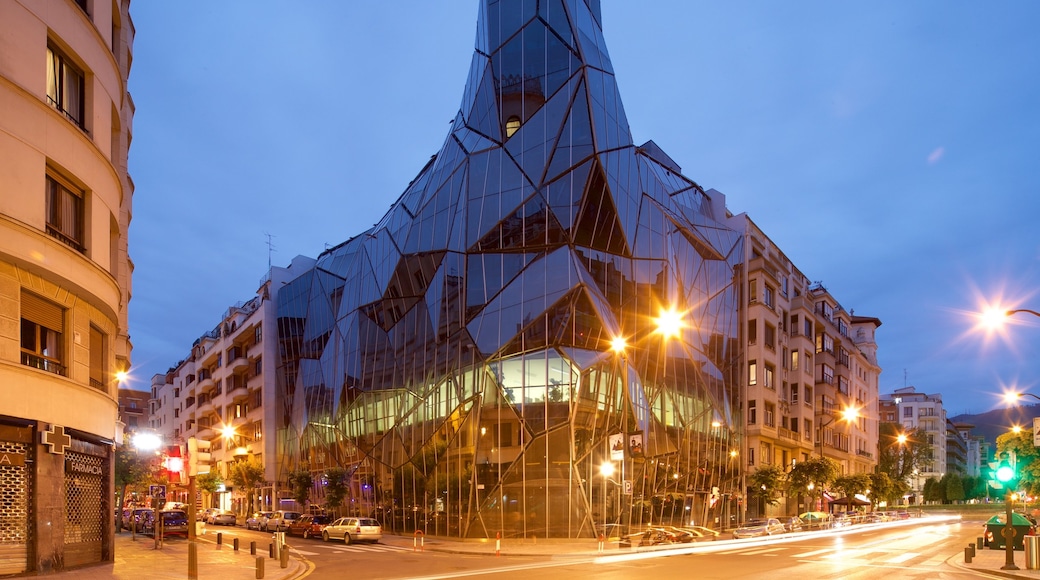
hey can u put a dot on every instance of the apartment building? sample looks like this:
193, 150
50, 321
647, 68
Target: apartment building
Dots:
133, 410
922, 411
808, 361
65, 208
224, 391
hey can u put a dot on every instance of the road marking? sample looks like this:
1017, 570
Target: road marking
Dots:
814, 553
763, 551
902, 558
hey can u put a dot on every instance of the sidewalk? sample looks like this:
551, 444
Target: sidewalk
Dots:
990, 561
137, 560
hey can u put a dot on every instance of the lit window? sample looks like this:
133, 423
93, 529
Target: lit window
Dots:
65, 86
65, 213
512, 126
41, 336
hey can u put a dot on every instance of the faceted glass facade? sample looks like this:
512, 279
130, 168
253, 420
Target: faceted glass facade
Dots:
457, 359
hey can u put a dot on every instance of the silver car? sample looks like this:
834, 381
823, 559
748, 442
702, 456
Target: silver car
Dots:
353, 530
257, 520
759, 527
222, 518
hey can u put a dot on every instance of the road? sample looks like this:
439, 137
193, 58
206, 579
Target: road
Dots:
914, 552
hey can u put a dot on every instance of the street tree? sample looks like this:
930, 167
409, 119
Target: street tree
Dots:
335, 487
247, 475
300, 483
811, 476
851, 485
208, 483
900, 459
767, 483
882, 488
1026, 457
131, 470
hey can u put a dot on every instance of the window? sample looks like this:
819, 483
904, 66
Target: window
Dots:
753, 291
769, 371
770, 336
785, 359
767, 295
843, 329
752, 413
794, 324
752, 331
794, 360
843, 356
97, 361
258, 366
827, 374
807, 429
807, 330
808, 396
41, 334
65, 213
65, 86
808, 362
751, 456
512, 126
770, 417
794, 394
258, 333
843, 384
752, 373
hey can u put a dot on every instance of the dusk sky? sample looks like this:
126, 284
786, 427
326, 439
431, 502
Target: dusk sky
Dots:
889, 148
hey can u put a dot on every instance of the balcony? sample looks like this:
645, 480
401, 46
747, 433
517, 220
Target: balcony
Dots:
44, 364
205, 379
237, 361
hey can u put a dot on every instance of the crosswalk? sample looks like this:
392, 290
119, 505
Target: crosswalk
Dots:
872, 555
319, 548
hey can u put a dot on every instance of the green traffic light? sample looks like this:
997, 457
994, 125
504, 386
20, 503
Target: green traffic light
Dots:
1005, 473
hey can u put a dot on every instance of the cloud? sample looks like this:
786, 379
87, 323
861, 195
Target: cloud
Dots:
936, 155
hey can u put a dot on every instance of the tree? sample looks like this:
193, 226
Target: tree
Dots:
208, 483
882, 488
901, 459
335, 487
1027, 460
850, 485
300, 482
812, 476
131, 469
247, 475
767, 483
954, 487
932, 490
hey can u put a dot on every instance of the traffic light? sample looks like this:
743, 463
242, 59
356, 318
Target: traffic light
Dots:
199, 456
173, 463
1006, 470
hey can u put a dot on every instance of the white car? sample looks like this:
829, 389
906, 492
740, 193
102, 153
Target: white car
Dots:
258, 520
353, 530
222, 518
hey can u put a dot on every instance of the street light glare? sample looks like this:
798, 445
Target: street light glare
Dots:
994, 317
669, 323
146, 441
228, 431
901, 438
606, 469
850, 413
618, 344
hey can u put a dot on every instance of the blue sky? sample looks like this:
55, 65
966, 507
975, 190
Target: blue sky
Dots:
889, 148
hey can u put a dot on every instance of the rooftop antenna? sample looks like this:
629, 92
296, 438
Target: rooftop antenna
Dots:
904, 378
270, 248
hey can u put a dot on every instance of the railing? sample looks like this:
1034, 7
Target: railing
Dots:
44, 364
65, 239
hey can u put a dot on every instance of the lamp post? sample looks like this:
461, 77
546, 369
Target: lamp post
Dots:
848, 414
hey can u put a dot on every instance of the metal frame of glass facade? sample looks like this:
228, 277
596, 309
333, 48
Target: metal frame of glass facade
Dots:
455, 360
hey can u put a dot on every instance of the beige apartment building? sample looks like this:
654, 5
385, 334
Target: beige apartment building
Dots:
227, 385
65, 208
808, 361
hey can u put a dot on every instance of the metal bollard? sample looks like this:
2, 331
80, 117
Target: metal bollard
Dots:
259, 568
967, 555
979, 542
220, 539
285, 557
270, 550
972, 548
235, 543
252, 548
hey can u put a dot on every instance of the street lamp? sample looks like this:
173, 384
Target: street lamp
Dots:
848, 415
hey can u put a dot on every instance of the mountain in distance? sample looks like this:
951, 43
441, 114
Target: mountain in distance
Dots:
993, 423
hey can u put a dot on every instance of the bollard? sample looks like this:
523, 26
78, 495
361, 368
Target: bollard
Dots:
972, 548
259, 568
252, 548
235, 544
498, 543
284, 557
979, 542
270, 550
418, 541
220, 539
1032, 549
967, 555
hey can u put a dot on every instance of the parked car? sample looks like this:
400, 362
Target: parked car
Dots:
353, 530
203, 515
135, 515
309, 526
222, 518
702, 532
791, 524
257, 520
174, 523
759, 527
280, 520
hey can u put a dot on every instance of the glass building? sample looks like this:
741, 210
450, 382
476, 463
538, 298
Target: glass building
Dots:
540, 338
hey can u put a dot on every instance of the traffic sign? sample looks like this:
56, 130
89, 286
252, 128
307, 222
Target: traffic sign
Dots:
154, 490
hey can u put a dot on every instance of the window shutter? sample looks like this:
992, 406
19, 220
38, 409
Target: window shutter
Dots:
42, 312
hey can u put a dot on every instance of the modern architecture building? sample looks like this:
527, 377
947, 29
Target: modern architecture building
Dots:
812, 370
224, 392
541, 337
65, 207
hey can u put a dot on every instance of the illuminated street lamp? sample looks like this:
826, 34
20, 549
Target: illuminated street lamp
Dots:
847, 415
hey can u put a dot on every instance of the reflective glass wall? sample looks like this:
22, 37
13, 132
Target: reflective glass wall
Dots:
498, 353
